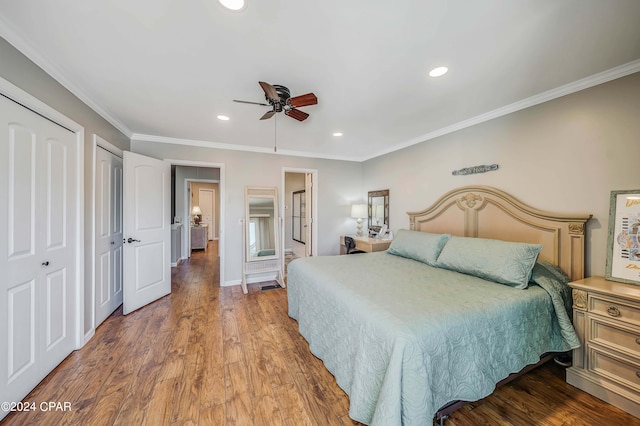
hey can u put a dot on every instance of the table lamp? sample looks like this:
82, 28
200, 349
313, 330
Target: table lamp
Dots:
358, 211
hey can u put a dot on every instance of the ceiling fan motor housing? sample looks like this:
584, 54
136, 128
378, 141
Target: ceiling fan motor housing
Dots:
284, 94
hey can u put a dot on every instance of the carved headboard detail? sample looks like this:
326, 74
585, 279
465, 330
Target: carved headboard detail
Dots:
485, 212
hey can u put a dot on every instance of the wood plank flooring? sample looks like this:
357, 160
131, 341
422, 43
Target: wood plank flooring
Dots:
210, 355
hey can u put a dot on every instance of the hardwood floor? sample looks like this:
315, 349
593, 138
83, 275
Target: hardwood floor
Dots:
209, 355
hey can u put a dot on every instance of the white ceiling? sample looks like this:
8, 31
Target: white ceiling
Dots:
162, 69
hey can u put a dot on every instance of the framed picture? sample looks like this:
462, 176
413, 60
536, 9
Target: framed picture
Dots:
623, 257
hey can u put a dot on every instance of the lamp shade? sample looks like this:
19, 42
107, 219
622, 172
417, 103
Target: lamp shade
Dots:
359, 211
196, 210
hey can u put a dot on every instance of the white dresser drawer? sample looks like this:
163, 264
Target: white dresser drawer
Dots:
614, 367
615, 335
615, 308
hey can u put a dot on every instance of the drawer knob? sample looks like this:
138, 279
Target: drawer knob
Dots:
638, 373
638, 340
613, 311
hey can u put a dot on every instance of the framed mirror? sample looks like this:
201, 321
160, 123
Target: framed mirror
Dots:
298, 216
261, 234
378, 211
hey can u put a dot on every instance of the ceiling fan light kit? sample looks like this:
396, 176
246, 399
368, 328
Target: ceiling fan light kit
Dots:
279, 99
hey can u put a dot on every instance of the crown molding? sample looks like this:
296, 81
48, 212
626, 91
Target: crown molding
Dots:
218, 145
8, 32
558, 92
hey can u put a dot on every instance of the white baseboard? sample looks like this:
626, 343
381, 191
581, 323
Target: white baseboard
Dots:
252, 279
88, 336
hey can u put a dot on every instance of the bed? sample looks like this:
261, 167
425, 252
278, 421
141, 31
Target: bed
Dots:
446, 313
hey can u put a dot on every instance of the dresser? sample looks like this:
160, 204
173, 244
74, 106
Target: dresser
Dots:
199, 237
366, 244
606, 316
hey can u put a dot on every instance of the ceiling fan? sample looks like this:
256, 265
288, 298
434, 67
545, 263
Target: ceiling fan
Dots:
279, 99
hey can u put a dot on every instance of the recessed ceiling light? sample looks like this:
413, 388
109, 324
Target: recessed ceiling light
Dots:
437, 72
336, 134
235, 5
223, 118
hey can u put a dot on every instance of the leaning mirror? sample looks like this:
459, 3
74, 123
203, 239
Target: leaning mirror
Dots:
378, 210
261, 235
261, 228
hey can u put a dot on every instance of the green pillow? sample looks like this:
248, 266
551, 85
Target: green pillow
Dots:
494, 260
421, 246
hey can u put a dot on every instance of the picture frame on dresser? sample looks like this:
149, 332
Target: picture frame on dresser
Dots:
623, 239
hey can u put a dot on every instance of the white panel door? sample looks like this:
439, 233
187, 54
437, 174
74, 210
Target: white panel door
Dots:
37, 248
147, 230
108, 267
206, 202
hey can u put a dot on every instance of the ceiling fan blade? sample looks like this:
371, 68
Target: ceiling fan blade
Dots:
253, 103
269, 90
297, 114
304, 100
267, 115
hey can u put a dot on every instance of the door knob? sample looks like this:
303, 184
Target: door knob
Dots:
45, 263
131, 240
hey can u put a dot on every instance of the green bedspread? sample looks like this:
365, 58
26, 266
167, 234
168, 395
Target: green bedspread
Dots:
402, 338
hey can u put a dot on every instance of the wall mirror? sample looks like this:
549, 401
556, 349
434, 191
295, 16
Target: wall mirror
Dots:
298, 216
261, 234
378, 210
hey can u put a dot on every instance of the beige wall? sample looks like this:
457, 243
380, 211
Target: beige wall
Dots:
22, 72
565, 155
339, 185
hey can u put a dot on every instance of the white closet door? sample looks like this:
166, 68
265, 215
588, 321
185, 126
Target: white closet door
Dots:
37, 248
108, 267
147, 230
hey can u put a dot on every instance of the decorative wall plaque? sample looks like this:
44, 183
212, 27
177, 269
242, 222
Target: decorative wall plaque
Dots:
475, 169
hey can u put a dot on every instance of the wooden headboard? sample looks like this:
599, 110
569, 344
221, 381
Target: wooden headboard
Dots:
485, 212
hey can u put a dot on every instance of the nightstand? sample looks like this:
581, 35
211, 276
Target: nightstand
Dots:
198, 237
366, 244
606, 316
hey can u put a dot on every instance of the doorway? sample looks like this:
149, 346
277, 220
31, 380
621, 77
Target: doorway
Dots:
108, 229
209, 190
186, 173
42, 240
207, 203
299, 207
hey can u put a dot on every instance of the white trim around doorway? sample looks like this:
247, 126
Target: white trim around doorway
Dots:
314, 204
221, 198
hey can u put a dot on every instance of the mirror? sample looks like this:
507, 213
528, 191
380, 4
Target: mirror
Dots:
378, 211
298, 216
261, 232
261, 235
